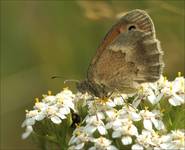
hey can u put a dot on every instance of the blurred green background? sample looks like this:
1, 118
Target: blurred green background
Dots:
44, 38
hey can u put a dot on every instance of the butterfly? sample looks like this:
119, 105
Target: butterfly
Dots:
129, 55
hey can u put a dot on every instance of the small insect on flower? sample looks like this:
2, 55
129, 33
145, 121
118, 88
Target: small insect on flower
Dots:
75, 120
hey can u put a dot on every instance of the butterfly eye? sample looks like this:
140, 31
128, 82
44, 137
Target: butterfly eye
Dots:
132, 27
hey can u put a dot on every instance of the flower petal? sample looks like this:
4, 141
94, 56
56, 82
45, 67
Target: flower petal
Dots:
40, 116
28, 131
79, 146
102, 130
90, 129
111, 147
147, 124
137, 147
30, 121
116, 134
159, 125
56, 120
126, 140
176, 100
135, 116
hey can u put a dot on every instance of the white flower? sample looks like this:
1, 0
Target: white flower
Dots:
119, 100
155, 98
177, 100
129, 112
152, 92
151, 117
126, 140
144, 139
158, 123
102, 143
49, 99
179, 85
94, 123
116, 119
137, 147
77, 147
175, 91
28, 131
66, 94
112, 119
56, 114
82, 98
91, 118
125, 131
32, 116
79, 138
100, 105
65, 99
173, 140
40, 106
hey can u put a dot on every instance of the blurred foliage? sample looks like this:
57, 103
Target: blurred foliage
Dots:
44, 38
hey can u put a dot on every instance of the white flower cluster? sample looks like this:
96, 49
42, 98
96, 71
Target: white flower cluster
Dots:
116, 122
121, 121
173, 91
55, 108
152, 140
107, 120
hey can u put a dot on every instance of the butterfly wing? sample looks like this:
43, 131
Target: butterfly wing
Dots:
128, 57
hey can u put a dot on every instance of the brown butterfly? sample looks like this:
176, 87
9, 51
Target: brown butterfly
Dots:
129, 55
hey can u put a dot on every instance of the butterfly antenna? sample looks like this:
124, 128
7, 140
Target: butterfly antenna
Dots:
71, 80
65, 81
55, 77
96, 113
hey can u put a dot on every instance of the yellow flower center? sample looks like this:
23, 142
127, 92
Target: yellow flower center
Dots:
146, 107
49, 92
44, 96
60, 101
165, 79
101, 140
179, 74
162, 110
104, 100
36, 100
171, 87
66, 88
182, 85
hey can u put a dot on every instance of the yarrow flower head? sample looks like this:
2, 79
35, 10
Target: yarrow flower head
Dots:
56, 108
150, 118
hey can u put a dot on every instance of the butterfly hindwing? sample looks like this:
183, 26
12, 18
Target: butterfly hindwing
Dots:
128, 57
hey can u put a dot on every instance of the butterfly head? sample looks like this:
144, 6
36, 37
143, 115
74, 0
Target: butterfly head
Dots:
92, 88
